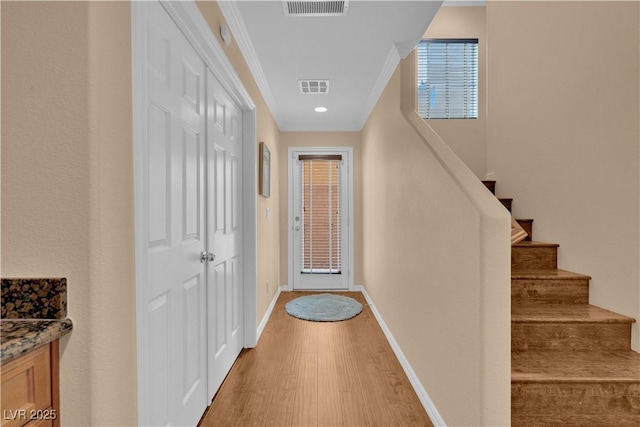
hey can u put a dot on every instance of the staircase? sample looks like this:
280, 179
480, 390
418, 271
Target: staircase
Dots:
571, 362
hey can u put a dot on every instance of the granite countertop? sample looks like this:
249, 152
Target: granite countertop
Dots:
34, 313
20, 336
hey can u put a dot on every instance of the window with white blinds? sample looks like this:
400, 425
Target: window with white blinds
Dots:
321, 207
448, 78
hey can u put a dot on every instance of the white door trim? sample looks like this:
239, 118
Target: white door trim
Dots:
190, 21
348, 151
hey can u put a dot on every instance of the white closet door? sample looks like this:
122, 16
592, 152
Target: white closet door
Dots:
175, 206
224, 181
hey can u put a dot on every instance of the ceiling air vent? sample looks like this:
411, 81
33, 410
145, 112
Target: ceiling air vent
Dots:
314, 87
315, 8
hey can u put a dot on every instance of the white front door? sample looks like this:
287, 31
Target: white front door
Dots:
175, 225
320, 205
224, 180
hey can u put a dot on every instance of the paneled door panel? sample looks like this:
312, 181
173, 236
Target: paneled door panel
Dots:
159, 175
175, 208
158, 317
224, 185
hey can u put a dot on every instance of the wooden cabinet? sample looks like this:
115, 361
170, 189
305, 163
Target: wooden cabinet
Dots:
30, 389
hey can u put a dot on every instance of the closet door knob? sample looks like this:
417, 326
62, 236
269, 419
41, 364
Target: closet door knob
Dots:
207, 257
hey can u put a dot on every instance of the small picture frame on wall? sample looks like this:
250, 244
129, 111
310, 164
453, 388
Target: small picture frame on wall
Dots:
264, 170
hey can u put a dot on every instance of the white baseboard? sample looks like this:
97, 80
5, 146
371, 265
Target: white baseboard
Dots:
426, 401
356, 288
266, 316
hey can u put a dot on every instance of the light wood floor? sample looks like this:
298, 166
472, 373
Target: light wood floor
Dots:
317, 374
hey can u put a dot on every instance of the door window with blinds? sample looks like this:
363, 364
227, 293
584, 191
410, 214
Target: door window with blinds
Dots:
448, 78
320, 205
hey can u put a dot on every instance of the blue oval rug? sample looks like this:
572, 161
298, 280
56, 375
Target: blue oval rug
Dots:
323, 308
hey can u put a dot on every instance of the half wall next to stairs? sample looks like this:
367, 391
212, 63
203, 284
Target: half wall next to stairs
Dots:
429, 226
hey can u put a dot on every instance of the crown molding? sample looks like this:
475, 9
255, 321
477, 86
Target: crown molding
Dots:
464, 3
239, 30
404, 49
390, 64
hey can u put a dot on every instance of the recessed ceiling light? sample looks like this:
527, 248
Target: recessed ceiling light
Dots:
320, 109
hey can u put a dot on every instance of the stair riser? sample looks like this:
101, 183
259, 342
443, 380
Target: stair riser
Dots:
570, 336
565, 399
527, 225
534, 257
491, 186
538, 291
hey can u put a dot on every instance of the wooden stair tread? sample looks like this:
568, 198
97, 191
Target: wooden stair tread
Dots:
566, 313
575, 366
534, 244
571, 362
573, 420
546, 273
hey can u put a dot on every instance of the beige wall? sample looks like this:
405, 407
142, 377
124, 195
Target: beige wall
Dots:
423, 264
67, 187
467, 138
319, 139
46, 176
563, 134
111, 301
